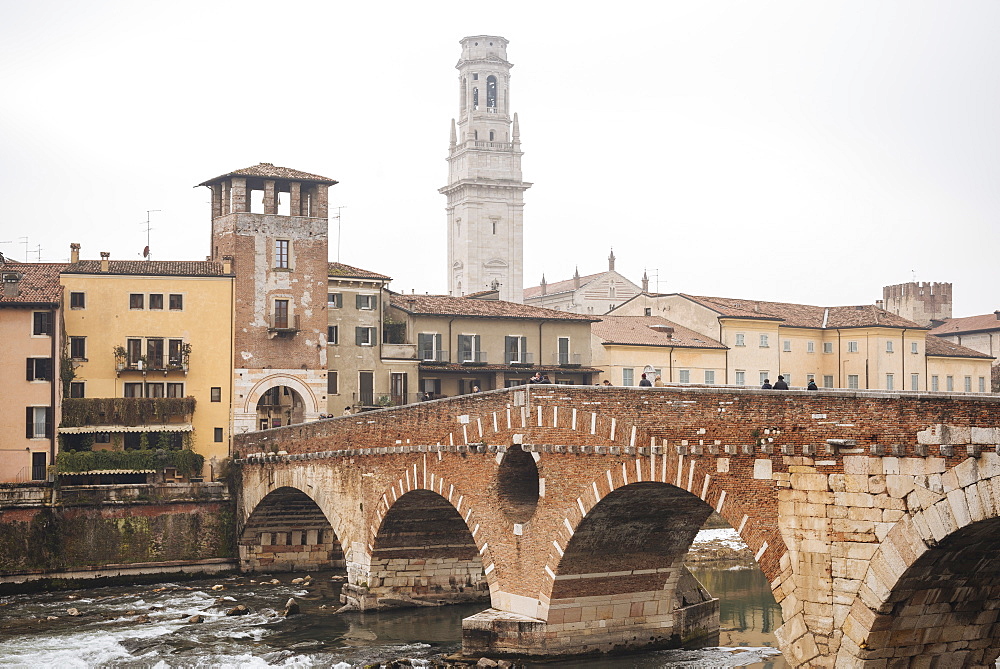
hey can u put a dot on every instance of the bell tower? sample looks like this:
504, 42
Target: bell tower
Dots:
485, 191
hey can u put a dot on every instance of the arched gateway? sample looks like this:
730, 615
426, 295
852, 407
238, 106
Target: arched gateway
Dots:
571, 507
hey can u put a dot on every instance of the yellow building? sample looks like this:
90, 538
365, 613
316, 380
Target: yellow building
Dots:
29, 368
855, 347
158, 335
624, 347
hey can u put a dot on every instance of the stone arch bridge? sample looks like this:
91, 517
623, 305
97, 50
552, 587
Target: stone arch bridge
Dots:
875, 516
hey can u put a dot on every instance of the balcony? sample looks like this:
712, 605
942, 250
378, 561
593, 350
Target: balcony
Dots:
524, 359
80, 413
473, 358
399, 351
433, 356
567, 359
283, 326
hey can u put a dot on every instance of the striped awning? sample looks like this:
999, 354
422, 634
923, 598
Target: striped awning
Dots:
92, 429
109, 471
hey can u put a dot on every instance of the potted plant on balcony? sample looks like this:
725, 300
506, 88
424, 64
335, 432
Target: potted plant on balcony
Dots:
121, 357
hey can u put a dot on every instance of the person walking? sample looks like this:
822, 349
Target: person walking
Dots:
780, 384
644, 382
767, 384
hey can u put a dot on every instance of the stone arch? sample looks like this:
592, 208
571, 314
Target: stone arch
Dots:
427, 507
273, 380
931, 587
288, 531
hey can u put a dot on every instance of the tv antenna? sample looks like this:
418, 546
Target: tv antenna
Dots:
337, 216
145, 252
25, 242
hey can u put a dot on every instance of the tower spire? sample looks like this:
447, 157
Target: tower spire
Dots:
611, 261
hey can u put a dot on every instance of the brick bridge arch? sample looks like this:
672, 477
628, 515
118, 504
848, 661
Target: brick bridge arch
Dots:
801, 475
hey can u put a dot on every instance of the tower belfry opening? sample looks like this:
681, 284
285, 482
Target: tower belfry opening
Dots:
485, 189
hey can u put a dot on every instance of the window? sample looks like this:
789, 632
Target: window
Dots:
740, 339
888, 346
38, 466
684, 375
786, 346
42, 323
564, 351
828, 380
102, 437
429, 346
136, 301
77, 301
133, 390
914, 382
852, 381
78, 348
890, 382
134, 350
175, 390
968, 384
281, 254
764, 376
788, 378
218, 435
154, 390
628, 376
175, 352
156, 301
468, 348
982, 384
648, 311
763, 341
810, 347
281, 314
934, 383
949, 382
216, 394
515, 349
364, 336
38, 422
176, 302
335, 300
39, 369
709, 376
852, 347
154, 353
914, 348
810, 377
76, 389
332, 386
333, 335
366, 302
828, 347
741, 377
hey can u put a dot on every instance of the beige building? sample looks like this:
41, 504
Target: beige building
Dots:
31, 333
980, 333
593, 294
485, 189
369, 363
478, 341
862, 346
624, 347
152, 341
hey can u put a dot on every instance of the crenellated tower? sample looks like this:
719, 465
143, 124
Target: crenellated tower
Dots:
485, 191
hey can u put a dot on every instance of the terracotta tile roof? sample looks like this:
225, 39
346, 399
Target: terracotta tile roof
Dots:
269, 171
638, 331
445, 305
148, 267
935, 346
968, 324
559, 286
39, 283
339, 269
804, 315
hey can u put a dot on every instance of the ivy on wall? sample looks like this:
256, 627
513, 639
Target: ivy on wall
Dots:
77, 412
187, 463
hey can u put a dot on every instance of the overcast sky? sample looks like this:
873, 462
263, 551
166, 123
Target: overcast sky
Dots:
794, 151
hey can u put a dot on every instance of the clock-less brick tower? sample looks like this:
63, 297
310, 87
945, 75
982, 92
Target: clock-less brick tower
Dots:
271, 224
485, 191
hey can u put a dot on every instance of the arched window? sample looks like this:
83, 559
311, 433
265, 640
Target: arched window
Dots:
475, 98
475, 134
491, 135
491, 92
461, 94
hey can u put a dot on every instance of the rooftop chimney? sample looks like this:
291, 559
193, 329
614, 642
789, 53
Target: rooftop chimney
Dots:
227, 264
104, 261
74, 252
11, 284
997, 314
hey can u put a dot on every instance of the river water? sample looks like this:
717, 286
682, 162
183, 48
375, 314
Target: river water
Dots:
148, 626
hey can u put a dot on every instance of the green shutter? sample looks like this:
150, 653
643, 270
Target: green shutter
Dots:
358, 335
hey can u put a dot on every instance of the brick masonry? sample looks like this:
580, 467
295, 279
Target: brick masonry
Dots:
854, 503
